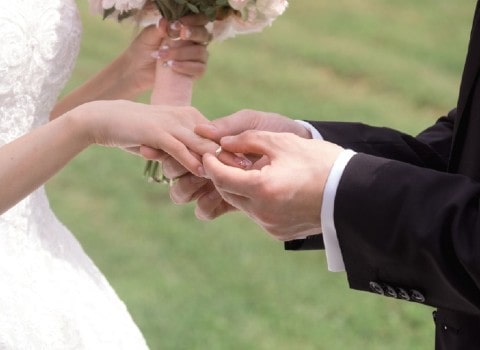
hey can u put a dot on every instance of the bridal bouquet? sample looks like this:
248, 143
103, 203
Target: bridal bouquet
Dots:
227, 19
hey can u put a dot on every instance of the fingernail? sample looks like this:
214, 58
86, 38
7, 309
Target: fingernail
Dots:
167, 64
243, 162
155, 55
173, 30
210, 127
201, 172
160, 54
226, 139
176, 25
185, 33
164, 47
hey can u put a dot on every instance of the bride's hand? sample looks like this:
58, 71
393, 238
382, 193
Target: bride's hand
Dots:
133, 72
190, 58
127, 124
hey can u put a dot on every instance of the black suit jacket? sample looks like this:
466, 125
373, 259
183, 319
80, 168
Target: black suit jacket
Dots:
407, 211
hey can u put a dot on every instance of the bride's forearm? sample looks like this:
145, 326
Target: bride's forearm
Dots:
29, 161
111, 83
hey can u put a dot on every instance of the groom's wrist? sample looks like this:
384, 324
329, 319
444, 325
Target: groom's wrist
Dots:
310, 131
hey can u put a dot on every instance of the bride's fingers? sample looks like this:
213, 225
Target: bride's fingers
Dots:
193, 52
192, 69
197, 34
152, 153
172, 168
187, 188
194, 20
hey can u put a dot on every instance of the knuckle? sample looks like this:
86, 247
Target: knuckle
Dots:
267, 189
202, 213
173, 169
178, 196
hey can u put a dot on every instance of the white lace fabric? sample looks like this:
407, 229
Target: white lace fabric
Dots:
52, 296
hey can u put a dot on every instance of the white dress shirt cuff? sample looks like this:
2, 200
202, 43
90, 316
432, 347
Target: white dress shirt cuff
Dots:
315, 134
332, 248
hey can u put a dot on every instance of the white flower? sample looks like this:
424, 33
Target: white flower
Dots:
238, 5
119, 5
96, 6
252, 15
126, 5
271, 8
256, 15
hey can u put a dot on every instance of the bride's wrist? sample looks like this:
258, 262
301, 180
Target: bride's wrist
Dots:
126, 85
79, 122
116, 81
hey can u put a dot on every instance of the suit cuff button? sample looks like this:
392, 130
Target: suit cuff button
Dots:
376, 288
390, 291
416, 296
403, 294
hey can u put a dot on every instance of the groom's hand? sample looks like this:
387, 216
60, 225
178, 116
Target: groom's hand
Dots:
189, 188
284, 193
244, 120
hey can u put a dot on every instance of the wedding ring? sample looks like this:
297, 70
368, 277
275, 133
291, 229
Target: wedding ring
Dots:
174, 30
218, 151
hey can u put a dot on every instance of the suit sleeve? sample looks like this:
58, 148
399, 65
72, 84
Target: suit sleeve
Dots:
431, 148
410, 232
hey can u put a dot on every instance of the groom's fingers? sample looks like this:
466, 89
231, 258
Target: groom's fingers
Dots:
228, 178
233, 124
172, 169
211, 205
189, 68
254, 142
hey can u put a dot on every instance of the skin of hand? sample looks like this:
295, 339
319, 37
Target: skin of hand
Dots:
189, 188
133, 72
190, 58
130, 125
123, 124
283, 191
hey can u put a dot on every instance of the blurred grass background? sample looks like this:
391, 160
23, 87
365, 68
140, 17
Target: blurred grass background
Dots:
226, 284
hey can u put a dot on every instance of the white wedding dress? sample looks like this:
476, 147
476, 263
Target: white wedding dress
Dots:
52, 296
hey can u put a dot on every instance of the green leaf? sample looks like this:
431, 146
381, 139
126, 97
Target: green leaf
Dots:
193, 8
108, 12
210, 12
125, 14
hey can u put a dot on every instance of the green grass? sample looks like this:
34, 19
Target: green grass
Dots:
225, 284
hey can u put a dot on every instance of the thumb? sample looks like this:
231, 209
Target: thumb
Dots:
154, 34
253, 142
226, 178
